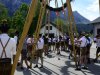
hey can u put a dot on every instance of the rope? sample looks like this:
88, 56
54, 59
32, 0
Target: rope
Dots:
27, 24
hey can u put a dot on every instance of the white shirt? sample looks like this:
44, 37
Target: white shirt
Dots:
83, 41
69, 42
16, 39
30, 40
49, 39
75, 41
94, 39
98, 42
40, 44
54, 39
10, 48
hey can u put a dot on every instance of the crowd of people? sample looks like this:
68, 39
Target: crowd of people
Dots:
43, 46
47, 44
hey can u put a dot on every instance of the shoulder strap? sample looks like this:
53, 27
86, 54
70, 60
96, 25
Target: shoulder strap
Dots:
86, 42
3, 51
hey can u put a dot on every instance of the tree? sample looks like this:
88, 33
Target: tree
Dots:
60, 23
3, 12
18, 18
35, 19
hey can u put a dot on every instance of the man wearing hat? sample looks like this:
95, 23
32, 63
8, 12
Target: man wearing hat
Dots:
83, 49
7, 50
39, 51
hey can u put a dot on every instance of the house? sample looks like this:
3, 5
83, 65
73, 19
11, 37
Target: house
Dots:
50, 29
96, 24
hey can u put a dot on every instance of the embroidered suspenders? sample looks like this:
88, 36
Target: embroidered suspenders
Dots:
3, 51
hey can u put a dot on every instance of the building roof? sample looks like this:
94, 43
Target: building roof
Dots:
50, 23
97, 20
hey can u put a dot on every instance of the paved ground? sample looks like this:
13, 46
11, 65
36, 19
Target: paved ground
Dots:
64, 66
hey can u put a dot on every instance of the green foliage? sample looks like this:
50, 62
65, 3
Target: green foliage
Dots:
59, 22
17, 21
19, 17
60, 25
35, 19
3, 12
11, 32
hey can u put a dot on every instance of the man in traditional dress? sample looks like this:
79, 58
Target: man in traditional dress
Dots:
83, 49
7, 50
39, 51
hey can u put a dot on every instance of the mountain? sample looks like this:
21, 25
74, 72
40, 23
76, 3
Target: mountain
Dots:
82, 23
79, 19
13, 5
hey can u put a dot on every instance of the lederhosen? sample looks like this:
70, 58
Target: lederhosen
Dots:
39, 52
5, 63
83, 50
57, 44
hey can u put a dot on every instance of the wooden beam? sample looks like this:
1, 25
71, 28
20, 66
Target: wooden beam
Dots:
27, 25
71, 22
99, 6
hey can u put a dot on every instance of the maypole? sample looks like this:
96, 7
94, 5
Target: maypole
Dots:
99, 6
41, 14
27, 25
71, 22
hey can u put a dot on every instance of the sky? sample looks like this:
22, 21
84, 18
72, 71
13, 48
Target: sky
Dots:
87, 8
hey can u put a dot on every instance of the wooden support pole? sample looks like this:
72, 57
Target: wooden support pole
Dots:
99, 6
71, 21
27, 25
41, 14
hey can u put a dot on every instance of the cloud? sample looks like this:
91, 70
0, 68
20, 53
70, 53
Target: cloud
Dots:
94, 7
89, 10
92, 10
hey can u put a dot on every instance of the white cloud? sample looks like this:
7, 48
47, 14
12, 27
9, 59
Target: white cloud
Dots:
93, 10
94, 7
90, 11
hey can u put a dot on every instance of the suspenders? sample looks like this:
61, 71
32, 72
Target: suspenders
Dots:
3, 51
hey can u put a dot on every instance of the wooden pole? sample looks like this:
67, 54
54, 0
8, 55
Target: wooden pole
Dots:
71, 20
41, 14
27, 25
99, 6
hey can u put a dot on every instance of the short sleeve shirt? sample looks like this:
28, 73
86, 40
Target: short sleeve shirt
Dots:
98, 42
10, 48
30, 40
83, 41
40, 44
